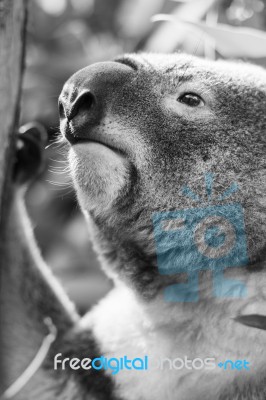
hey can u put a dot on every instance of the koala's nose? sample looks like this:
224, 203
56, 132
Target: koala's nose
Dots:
84, 100
88, 95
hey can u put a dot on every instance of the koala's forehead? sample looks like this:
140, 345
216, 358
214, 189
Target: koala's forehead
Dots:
178, 67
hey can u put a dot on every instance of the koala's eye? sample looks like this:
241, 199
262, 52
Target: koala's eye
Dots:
191, 100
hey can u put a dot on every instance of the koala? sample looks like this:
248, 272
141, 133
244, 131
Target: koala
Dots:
151, 137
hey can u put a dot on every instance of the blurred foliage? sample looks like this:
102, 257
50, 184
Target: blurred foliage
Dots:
66, 35
199, 24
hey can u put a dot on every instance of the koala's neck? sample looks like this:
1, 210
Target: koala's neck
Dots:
136, 328
203, 319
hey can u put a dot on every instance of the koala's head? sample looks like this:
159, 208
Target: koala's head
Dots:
143, 127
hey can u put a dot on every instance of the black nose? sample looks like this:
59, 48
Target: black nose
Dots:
88, 96
84, 100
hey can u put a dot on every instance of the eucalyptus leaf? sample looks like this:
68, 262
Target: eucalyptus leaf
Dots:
168, 37
230, 41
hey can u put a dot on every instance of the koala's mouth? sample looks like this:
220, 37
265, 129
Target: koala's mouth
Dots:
75, 139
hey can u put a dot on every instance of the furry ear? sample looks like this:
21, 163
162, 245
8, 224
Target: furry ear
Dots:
31, 140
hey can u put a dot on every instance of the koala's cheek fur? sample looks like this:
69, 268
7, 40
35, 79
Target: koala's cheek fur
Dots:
99, 175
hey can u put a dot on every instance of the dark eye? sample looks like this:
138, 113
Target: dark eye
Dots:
191, 100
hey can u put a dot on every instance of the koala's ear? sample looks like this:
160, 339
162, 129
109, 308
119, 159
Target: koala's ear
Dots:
30, 144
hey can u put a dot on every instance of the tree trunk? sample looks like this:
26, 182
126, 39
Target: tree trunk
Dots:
12, 45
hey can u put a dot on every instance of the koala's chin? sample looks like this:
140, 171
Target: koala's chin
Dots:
100, 175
